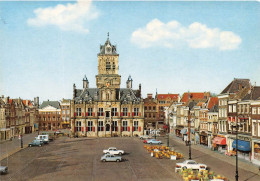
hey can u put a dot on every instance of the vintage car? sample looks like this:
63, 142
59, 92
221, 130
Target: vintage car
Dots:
35, 143
190, 164
111, 158
114, 151
142, 137
152, 141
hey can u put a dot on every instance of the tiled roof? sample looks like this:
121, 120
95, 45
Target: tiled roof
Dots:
200, 104
195, 96
212, 101
164, 96
55, 104
214, 108
29, 103
236, 85
253, 94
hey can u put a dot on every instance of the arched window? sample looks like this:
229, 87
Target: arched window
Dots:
108, 66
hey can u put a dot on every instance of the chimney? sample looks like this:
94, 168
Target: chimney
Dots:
74, 91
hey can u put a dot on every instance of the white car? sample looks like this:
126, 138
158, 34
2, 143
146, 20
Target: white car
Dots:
114, 151
190, 164
143, 137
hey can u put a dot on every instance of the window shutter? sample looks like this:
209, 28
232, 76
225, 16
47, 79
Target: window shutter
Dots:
93, 113
103, 113
86, 113
86, 128
75, 129
75, 114
128, 128
93, 128
133, 113
82, 114
139, 128
121, 128
139, 113
116, 128
116, 113
129, 114
133, 128
82, 129
121, 113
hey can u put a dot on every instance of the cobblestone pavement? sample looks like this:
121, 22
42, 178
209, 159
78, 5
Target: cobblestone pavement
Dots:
79, 159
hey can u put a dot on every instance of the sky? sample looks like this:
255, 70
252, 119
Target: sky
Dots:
168, 46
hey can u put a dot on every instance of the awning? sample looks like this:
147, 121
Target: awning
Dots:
184, 131
242, 145
219, 141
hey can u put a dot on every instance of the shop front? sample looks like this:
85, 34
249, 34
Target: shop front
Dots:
219, 143
203, 138
256, 152
243, 149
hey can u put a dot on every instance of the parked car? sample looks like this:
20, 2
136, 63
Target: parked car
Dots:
152, 141
142, 137
114, 151
44, 138
111, 158
3, 169
190, 164
35, 143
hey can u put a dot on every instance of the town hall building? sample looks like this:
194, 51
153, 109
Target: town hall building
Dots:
107, 110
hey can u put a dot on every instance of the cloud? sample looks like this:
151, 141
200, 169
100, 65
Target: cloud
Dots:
69, 17
173, 34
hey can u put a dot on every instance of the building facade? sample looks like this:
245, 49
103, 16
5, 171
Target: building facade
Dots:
107, 110
150, 113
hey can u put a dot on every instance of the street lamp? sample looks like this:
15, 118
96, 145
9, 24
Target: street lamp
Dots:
189, 142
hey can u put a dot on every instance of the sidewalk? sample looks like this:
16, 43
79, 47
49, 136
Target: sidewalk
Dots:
8, 148
231, 160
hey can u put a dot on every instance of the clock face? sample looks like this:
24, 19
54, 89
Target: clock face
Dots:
108, 49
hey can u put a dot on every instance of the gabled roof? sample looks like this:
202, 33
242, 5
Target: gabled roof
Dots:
214, 108
253, 94
195, 96
164, 96
236, 85
55, 104
212, 102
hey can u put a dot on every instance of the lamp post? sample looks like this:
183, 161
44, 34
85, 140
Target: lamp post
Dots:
21, 141
236, 151
189, 142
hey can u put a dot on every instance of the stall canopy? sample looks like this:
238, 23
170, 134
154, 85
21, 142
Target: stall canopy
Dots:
219, 141
242, 145
184, 131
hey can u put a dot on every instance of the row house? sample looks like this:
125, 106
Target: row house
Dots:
163, 102
49, 116
255, 117
17, 117
107, 110
65, 113
227, 112
150, 113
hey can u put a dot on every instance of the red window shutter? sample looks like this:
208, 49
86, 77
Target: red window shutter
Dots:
129, 114
133, 128
128, 128
82, 129
139, 113
102, 128
86, 113
116, 128
98, 113
75, 129
133, 113
103, 113
139, 128
93, 128
93, 113
116, 113
121, 128
121, 113
75, 114
82, 114
86, 128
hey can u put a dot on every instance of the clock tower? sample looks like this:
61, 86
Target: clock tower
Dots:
108, 79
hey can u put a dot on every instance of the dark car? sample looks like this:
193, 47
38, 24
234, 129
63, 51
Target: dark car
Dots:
35, 143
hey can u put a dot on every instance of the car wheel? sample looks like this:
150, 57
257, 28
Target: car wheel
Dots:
104, 160
107, 152
30, 145
40, 145
117, 160
120, 153
150, 143
184, 168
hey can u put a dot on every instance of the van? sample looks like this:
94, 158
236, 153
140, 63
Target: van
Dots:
43, 138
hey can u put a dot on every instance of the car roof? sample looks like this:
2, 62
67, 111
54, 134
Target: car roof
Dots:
112, 148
